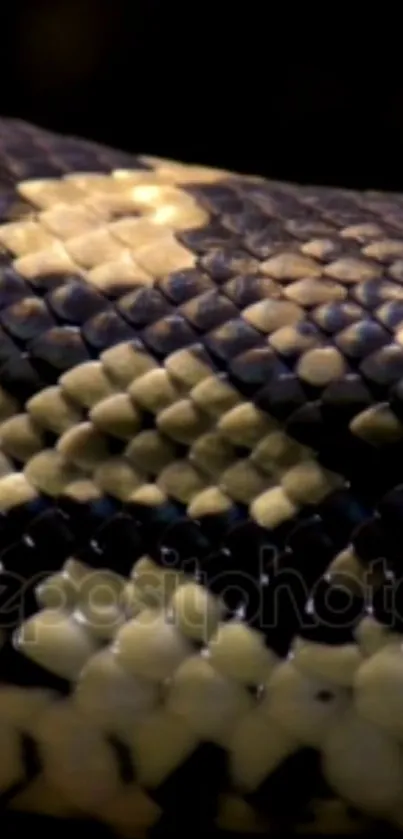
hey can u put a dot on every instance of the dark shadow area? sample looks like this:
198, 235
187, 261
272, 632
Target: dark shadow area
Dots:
177, 80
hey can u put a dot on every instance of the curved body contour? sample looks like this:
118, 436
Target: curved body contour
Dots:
201, 495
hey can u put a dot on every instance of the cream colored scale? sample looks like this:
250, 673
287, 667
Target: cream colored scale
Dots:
75, 229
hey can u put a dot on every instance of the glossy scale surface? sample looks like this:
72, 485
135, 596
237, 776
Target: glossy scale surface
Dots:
201, 496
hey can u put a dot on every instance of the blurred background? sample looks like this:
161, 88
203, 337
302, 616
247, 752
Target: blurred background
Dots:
211, 83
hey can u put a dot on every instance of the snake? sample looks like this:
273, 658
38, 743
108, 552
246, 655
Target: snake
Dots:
201, 497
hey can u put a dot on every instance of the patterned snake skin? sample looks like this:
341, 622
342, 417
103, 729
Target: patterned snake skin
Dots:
201, 497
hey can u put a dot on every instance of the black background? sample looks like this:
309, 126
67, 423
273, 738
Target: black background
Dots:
303, 99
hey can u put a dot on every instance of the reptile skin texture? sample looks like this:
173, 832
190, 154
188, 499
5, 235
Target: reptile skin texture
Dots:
201, 498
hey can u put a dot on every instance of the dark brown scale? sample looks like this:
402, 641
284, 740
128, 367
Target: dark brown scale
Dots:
394, 220
341, 513
12, 208
58, 350
50, 535
151, 523
308, 227
235, 570
256, 368
244, 290
208, 311
290, 580
182, 545
328, 201
143, 307
239, 592
84, 517
362, 338
322, 425
106, 329
391, 315
384, 367
228, 208
218, 199
12, 287
75, 302
113, 290
309, 538
333, 613
182, 286
223, 263
17, 145
306, 424
116, 544
343, 399
167, 335
372, 293
27, 168
43, 283
251, 547
244, 219
45, 543
7, 179
79, 159
274, 200
203, 240
216, 526
334, 317
296, 212
267, 241
26, 319
282, 397
371, 541
354, 459
345, 217
19, 376
232, 339
111, 159
14, 521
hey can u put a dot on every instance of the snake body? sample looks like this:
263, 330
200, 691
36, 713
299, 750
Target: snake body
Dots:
201, 495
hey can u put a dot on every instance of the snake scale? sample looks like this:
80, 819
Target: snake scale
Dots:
201, 496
